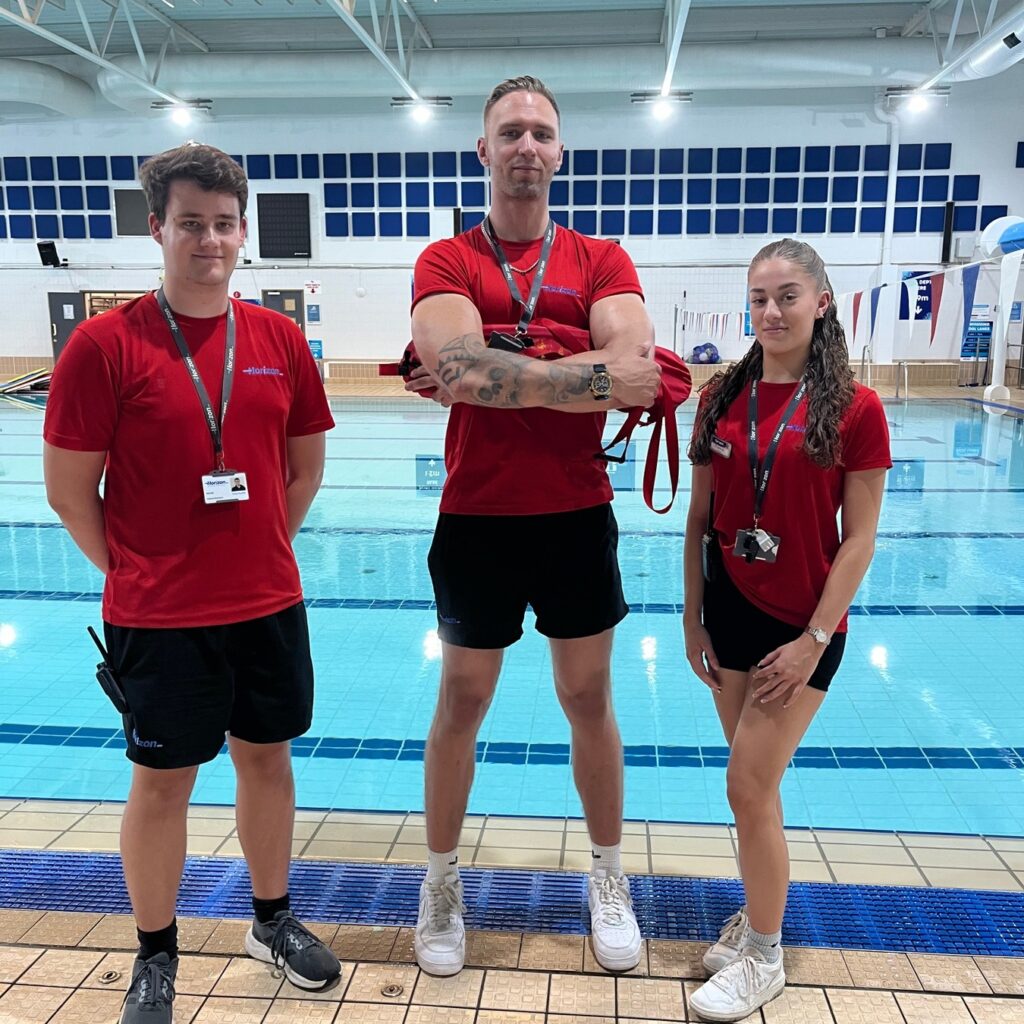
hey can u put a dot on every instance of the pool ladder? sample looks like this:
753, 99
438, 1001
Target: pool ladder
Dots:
865, 360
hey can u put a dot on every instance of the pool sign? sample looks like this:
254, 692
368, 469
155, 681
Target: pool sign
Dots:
316, 346
430, 473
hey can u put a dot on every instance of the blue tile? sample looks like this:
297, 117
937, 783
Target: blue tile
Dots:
932, 219
876, 158
41, 168
335, 165
257, 166
446, 194
965, 218
584, 193
817, 158
847, 158
812, 221
444, 164
389, 194
417, 225
909, 157
69, 168
755, 190
727, 190
417, 165
698, 222
698, 161
843, 219
361, 165
641, 192
937, 156
698, 191
872, 219
787, 159
670, 222
670, 161
784, 221
15, 168
470, 166
785, 190
755, 222
558, 193
613, 191
729, 160
584, 161
759, 160
815, 190
335, 195
311, 165
641, 161
727, 222
613, 223
989, 214
389, 165
286, 165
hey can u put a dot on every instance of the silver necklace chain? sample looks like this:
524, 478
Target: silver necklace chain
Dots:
526, 270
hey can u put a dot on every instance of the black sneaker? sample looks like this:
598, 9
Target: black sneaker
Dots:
151, 994
290, 947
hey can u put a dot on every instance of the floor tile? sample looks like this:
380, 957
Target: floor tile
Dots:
14, 923
499, 856
14, 962
578, 1018
492, 949
798, 1006
439, 1015
227, 938
518, 838
403, 951
650, 997
700, 867
540, 952
56, 928
591, 966
809, 871
849, 853
820, 967
581, 860
943, 857
29, 1004
572, 994
515, 990
356, 942
232, 847
534, 824
96, 821
232, 1011
348, 832
368, 981
113, 931
197, 975
869, 874
66, 968
675, 959
579, 842
984, 1011
915, 839
320, 849
244, 976
26, 839
214, 827
693, 846
117, 968
506, 1017
880, 970
853, 1007
45, 820
461, 990
826, 836
1006, 976
371, 1013
301, 1011
90, 1006
194, 932
948, 973
964, 878
924, 1008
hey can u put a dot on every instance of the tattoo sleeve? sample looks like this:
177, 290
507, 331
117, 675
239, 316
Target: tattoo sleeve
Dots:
492, 377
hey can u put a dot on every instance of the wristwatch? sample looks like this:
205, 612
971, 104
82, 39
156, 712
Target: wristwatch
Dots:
820, 636
601, 383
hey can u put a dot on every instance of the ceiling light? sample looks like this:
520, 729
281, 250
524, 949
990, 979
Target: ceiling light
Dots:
423, 108
183, 111
915, 101
662, 106
182, 116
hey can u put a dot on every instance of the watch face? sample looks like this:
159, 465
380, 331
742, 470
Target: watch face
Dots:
601, 384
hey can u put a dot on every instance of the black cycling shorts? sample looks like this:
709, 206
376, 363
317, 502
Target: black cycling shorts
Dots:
186, 688
487, 569
742, 634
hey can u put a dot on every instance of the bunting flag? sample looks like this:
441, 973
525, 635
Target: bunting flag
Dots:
856, 311
1009, 272
970, 283
937, 281
875, 293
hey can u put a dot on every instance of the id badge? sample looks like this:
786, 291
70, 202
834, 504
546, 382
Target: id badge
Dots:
720, 447
756, 545
509, 342
224, 485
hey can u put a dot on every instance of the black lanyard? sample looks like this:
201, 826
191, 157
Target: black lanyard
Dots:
542, 265
214, 422
759, 471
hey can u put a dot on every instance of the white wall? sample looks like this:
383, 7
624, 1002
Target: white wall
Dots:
984, 122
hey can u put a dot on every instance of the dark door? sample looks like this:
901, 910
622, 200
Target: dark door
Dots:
67, 311
290, 303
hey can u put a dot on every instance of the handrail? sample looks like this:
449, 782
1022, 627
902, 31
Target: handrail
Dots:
866, 355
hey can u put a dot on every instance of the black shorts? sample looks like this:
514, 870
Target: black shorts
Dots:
742, 634
186, 688
487, 569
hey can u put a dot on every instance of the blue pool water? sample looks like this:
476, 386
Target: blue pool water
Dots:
923, 728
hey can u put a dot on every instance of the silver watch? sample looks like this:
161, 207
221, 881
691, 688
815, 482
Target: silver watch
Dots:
820, 636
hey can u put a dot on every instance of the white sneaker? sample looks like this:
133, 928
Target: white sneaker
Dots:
731, 940
738, 990
440, 941
614, 933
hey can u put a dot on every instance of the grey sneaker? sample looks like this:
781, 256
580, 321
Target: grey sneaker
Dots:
151, 994
290, 947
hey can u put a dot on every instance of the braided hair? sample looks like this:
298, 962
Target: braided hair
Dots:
828, 372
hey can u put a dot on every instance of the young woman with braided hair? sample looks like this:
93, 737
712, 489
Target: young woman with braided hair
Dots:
783, 441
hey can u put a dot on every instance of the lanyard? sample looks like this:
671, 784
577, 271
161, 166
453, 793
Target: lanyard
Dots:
542, 265
215, 423
760, 471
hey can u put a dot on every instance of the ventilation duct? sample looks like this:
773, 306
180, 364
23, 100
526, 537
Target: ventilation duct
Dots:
28, 81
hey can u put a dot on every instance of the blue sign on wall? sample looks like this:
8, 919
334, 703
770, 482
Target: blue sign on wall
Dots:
313, 313
316, 346
1015, 311
979, 337
923, 310
430, 473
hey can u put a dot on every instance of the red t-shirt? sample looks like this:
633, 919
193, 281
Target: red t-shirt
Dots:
121, 386
802, 501
529, 461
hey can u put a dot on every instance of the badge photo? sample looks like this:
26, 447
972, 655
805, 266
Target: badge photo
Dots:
223, 486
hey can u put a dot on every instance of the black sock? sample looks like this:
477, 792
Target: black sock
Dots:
265, 910
163, 941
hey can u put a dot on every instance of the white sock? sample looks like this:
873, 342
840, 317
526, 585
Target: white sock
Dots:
768, 945
441, 864
607, 860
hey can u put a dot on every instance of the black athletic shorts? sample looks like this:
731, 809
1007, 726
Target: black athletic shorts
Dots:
487, 569
742, 634
186, 688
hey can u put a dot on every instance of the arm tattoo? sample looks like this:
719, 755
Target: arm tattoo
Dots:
500, 378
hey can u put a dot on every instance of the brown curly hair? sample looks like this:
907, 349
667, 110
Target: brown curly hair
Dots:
209, 168
828, 372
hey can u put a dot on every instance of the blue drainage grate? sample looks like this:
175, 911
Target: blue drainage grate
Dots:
911, 919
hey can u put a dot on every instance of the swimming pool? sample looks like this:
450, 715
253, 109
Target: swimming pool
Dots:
922, 730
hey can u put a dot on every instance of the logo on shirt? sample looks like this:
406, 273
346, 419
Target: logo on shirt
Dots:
262, 371
560, 289
798, 427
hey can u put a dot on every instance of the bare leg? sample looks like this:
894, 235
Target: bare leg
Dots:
468, 680
764, 742
154, 833
583, 682
265, 812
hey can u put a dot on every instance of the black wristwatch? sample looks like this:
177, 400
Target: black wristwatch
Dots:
601, 383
